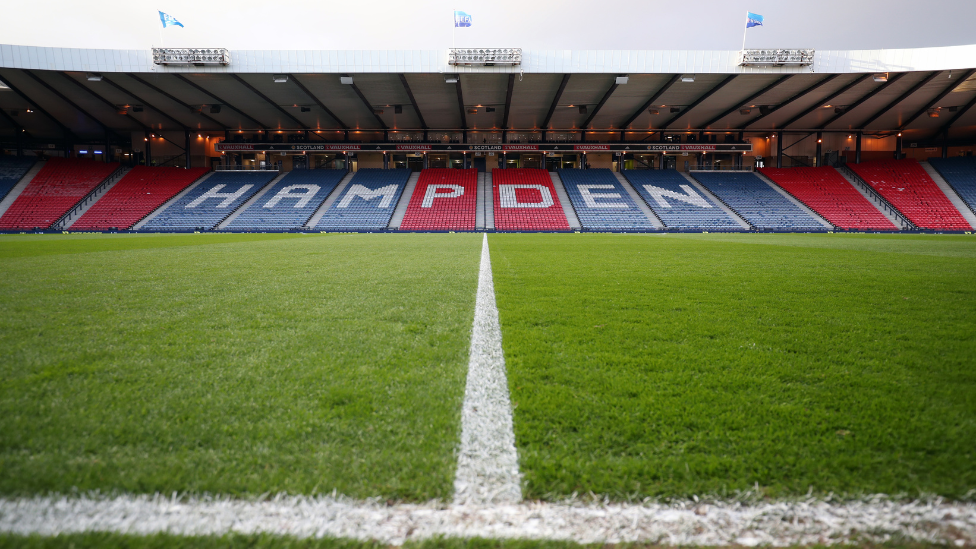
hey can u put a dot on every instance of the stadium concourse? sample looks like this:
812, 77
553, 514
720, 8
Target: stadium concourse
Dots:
85, 195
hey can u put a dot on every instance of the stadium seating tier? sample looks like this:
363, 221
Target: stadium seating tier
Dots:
56, 188
368, 201
677, 203
826, 192
525, 199
210, 202
444, 199
906, 185
137, 194
960, 173
601, 203
756, 202
12, 170
290, 202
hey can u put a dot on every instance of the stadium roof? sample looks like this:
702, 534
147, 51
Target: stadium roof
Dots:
53, 92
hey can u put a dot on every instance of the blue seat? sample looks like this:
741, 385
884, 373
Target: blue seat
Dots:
601, 203
960, 173
677, 203
210, 202
12, 169
367, 202
290, 202
757, 202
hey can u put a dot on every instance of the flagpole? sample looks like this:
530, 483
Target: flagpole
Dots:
744, 32
454, 28
162, 44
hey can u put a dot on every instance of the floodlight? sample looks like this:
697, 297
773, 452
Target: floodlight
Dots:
622, 79
93, 77
279, 78
345, 80
451, 78
688, 78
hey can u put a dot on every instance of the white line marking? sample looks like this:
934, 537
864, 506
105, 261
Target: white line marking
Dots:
487, 462
723, 523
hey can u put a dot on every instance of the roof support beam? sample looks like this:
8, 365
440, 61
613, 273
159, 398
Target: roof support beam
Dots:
219, 100
860, 101
555, 100
268, 100
651, 101
599, 105
65, 129
901, 98
828, 99
508, 100
220, 124
318, 102
144, 102
961, 111
413, 100
365, 101
52, 89
942, 94
107, 102
748, 100
11, 120
460, 96
790, 100
699, 101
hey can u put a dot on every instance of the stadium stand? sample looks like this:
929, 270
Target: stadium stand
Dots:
827, 192
290, 202
960, 173
444, 200
210, 202
141, 191
601, 203
907, 187
60, 184
12, 169
525, 199
677, 203
368, 201
756, 202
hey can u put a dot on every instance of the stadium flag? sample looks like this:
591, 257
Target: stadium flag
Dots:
753, 20
168, 20
461, 19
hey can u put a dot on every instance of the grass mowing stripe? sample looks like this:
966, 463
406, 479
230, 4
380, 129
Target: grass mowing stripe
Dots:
487, 462
678, 365
711, 523
303, 365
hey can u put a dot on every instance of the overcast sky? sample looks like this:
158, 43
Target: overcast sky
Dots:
528, 24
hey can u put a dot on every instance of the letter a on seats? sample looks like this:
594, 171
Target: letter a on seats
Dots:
454, 191
387, 192
303, 198
506, 195
215, 193
693, 198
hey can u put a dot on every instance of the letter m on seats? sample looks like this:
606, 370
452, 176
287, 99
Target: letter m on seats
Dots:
385, 194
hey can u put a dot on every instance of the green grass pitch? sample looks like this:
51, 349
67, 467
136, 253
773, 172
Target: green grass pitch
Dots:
669, 366
234, 364
639, 365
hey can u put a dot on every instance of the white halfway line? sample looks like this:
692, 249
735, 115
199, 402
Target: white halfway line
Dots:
487, 471
487, 498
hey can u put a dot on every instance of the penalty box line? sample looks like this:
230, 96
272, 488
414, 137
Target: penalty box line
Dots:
487, 471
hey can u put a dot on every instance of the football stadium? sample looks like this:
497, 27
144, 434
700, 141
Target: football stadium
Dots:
488, 274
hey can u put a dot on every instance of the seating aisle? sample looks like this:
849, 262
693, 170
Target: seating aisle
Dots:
12, 169
141, 191
290, 202
209, 203
444, 200
368, 201
60, 184
676, 202
756, 202
827, 192
601, 203
907, 187
526, 200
